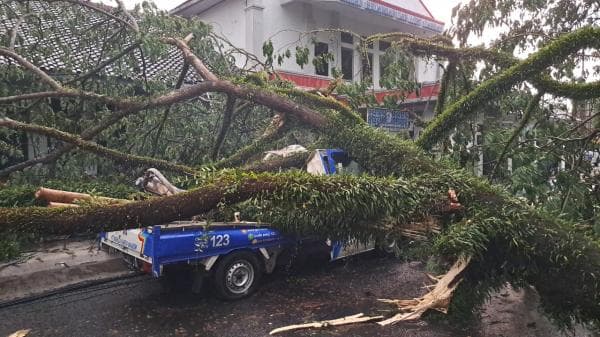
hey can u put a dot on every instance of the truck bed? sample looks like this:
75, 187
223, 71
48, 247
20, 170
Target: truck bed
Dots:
191, 241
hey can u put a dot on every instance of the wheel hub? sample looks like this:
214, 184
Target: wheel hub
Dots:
240, 277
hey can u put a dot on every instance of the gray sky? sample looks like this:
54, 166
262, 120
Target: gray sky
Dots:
441, 9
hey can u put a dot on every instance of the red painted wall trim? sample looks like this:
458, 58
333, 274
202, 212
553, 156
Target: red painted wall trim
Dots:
407, 11
427, 91
317, 82
305, 81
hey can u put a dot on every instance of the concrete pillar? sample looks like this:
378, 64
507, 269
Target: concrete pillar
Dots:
254, 26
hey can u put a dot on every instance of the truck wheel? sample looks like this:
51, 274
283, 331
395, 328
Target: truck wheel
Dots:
388, 247
237, 275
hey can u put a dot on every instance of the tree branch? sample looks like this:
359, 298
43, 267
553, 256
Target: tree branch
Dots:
182, 74
444, 85
227, 116
441, 47
273, 132
15, 30
191, 58
297, 160
501, 83
531, 106
131, 105
149, 212
132, 21
32, 68
107, 62
127, 159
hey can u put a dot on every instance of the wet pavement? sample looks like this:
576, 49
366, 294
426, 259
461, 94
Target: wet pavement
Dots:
139, 307
56, 265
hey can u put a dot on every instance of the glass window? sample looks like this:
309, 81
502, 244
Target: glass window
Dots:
384, 45
321, 66
347, 63
347, 38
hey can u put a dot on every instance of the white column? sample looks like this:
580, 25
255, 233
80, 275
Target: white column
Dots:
375, 65
254, 26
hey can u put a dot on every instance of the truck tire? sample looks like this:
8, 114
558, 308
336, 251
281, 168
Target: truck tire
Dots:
387, 247
237, 275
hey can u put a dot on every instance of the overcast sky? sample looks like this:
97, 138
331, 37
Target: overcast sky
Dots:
441, 9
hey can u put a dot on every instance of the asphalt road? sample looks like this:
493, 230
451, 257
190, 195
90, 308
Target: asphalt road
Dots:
139, 307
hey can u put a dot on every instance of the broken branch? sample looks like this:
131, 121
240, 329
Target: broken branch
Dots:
353, 319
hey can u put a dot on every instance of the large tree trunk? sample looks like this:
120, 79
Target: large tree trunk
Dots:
131, 215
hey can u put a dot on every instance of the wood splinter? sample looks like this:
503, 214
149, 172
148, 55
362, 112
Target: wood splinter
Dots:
437, 299
358, 318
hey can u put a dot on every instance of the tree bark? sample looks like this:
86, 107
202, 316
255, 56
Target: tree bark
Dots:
58, 221
227, 117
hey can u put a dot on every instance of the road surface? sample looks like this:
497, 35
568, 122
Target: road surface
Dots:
138, 306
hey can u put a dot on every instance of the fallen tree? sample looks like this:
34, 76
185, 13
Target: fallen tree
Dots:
505, 239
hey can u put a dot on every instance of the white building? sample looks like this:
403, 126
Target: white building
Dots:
247, 24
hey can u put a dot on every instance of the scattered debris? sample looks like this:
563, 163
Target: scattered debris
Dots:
285, 152
52, 204
22, 259
437, 299
20, 333
154, 181
358, 318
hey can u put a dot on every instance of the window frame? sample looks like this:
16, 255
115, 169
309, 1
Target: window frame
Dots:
325, 71
342, 49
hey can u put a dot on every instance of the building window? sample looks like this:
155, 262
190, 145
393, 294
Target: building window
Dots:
384, 45
369, 44
321, 64
347, 38
393, 68
347, 63
367, 67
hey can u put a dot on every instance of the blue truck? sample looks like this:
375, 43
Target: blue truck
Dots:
235, 255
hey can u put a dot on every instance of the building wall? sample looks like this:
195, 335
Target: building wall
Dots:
427, 71
228, 20
286, 23
249, 23
412, 5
